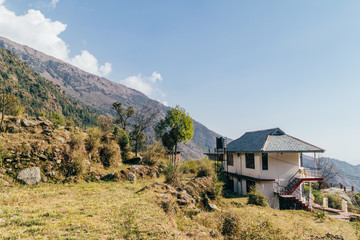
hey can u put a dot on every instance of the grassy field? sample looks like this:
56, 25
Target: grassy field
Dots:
109, 210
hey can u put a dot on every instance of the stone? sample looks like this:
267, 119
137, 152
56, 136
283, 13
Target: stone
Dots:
132, 177
61, 140
46, 123
29, 123
213, 207
30, 175
109, 177
212, 233
203, 234
3, 182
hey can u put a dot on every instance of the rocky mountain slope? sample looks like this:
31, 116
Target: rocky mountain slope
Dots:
99, 93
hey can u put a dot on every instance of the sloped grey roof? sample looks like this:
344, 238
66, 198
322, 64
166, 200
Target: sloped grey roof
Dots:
270, 140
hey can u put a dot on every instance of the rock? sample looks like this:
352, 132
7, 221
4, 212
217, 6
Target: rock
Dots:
212, 233
2, 221
213, 207
29, 123
30, 175
203, 234
15, 120
46, 123
61, 140
109, 177
132, 177
3, 182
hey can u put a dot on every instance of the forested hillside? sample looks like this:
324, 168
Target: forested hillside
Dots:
38, 96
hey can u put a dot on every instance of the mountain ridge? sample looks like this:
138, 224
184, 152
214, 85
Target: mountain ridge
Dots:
99, 93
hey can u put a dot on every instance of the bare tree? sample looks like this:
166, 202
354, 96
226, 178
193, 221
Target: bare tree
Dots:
144, 118
327, 171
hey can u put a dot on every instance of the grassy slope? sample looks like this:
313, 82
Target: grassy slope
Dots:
116, 211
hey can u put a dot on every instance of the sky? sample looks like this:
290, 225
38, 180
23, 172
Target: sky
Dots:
235, 66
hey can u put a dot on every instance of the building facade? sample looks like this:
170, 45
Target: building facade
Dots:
271, 162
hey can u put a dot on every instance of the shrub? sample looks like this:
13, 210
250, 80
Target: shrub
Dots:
122, 138
205, 168
173, 175
334, 201
110, 154
75, 166
231, 223
190, 166
154, 155
92, 142
76, 141
57, 118
256, 198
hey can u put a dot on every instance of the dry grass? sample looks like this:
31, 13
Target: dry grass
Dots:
109, 210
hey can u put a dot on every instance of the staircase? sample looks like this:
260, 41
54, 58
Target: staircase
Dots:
291, 194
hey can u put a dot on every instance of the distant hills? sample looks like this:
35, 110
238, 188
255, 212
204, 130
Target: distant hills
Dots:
98, 93
346, 174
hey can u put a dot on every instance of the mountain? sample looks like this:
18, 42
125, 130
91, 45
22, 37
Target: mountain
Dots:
345, 173
99, 93
37, 95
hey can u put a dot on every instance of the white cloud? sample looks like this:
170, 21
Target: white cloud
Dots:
53, 3
35, 30
146, 85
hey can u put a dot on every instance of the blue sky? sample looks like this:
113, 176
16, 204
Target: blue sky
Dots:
235, 66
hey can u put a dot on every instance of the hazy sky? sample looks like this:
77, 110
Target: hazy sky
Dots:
235, 66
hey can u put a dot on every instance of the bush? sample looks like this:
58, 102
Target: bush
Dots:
75, 166
57, 119
110, 154
76, 141
205, 168
334, 201
122, 138
190, 166
154, 155
173, 175
231, 223
256, 198
92, 142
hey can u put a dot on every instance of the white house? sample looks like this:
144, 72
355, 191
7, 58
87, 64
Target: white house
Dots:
271, 161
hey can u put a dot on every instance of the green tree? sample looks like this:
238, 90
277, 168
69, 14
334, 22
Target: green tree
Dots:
123, 114
176, 127
122, 138
137, 138
7, 103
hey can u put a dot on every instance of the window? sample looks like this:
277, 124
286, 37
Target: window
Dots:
230, 159
265, 165
250, 160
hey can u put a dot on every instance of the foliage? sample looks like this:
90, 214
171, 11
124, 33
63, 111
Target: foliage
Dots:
231, 223
202, 168
38, 96
173, 174
137, 138
154, 155
110, 154
7, 102
256, 198
334, 201
122, 139
123, 115
105, 123
176, 127
92, 142
57, 118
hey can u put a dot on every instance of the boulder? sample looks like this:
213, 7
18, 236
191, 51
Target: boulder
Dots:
132, 177
109, 177
29, 123
30, 175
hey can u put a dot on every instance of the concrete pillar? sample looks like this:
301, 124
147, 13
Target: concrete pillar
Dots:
344, 206
325, 202
310, 197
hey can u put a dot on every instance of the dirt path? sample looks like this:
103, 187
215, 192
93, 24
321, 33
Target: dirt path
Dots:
339, 213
